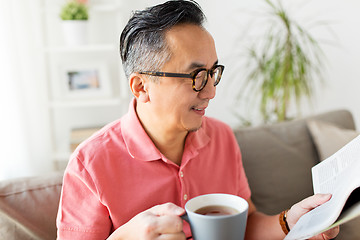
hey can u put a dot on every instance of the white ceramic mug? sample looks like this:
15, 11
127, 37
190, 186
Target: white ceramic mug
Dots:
217, 227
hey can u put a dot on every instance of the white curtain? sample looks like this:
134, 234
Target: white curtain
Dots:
25, 146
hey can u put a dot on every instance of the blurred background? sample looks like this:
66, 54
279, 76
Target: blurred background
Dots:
55, 91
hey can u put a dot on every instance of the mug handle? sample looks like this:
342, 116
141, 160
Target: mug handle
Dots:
185, 217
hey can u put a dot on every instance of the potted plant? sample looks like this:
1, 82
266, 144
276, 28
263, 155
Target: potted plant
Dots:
74, 16
283, 67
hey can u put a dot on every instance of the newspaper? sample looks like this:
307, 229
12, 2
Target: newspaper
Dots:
338, 175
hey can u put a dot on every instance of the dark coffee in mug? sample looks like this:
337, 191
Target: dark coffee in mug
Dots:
216, 210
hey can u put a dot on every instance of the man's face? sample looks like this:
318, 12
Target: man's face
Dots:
175, 104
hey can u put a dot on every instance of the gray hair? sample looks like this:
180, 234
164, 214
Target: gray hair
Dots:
143, 46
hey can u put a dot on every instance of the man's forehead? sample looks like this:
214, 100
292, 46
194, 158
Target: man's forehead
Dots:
193, 44
183, 33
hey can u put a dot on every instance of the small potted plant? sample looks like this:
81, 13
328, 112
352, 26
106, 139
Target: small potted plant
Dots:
74, 15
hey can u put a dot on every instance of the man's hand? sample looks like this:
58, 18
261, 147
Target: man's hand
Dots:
159, 222
306, 205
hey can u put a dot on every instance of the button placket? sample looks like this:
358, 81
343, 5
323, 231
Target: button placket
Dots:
184, 193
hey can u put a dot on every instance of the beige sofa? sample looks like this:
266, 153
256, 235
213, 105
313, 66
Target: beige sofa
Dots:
277, 160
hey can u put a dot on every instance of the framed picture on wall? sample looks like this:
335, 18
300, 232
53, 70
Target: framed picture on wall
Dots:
86, 81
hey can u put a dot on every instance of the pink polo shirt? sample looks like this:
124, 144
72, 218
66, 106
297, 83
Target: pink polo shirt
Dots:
118, 173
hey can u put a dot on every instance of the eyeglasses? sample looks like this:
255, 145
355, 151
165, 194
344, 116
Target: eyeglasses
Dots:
199, 76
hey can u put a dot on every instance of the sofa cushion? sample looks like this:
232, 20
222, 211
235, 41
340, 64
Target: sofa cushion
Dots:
329, 138
278, 160
28, 207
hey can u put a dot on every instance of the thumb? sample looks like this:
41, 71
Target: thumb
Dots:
167, 209
313, 201
306, 205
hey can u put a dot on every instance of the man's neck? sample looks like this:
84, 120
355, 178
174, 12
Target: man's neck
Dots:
172, 149
170, 143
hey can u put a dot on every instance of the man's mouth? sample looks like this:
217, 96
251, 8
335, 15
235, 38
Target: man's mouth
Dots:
199, 110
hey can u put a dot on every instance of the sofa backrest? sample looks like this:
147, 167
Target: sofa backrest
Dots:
278, 159
28, 207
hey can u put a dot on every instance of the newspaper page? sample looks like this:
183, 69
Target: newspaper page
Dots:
338, 175
326, 173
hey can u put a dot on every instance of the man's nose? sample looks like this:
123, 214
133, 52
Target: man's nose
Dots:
209, 91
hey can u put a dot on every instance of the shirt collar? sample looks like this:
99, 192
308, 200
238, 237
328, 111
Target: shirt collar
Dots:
140, 146
195, 141
137, 142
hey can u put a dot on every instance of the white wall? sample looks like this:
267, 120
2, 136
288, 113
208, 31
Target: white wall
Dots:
343, 84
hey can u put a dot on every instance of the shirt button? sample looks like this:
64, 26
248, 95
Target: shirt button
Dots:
181, 174
185, 197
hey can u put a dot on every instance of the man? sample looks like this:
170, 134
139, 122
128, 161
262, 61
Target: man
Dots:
132, 179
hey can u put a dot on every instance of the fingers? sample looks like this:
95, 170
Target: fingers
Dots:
159, 222
164, 222
329, 234
168, 220
169, 224
177, 236
167, 209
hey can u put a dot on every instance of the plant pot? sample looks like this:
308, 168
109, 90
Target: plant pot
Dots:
75, 32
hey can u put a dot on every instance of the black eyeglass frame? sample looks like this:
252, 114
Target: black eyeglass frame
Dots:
191, 75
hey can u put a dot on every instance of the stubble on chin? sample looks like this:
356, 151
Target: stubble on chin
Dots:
195, 129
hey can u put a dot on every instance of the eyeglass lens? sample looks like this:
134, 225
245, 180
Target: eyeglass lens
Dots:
202, 76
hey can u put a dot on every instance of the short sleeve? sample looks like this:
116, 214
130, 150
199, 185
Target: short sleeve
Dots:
81, 214
244, 188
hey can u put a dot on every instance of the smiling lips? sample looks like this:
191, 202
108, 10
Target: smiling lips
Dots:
200, 111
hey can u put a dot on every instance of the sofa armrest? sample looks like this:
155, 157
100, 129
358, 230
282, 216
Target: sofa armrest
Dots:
28, 207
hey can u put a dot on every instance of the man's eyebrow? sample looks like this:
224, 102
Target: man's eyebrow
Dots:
195, 65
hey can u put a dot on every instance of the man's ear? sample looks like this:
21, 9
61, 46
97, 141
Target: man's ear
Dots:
138, 86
